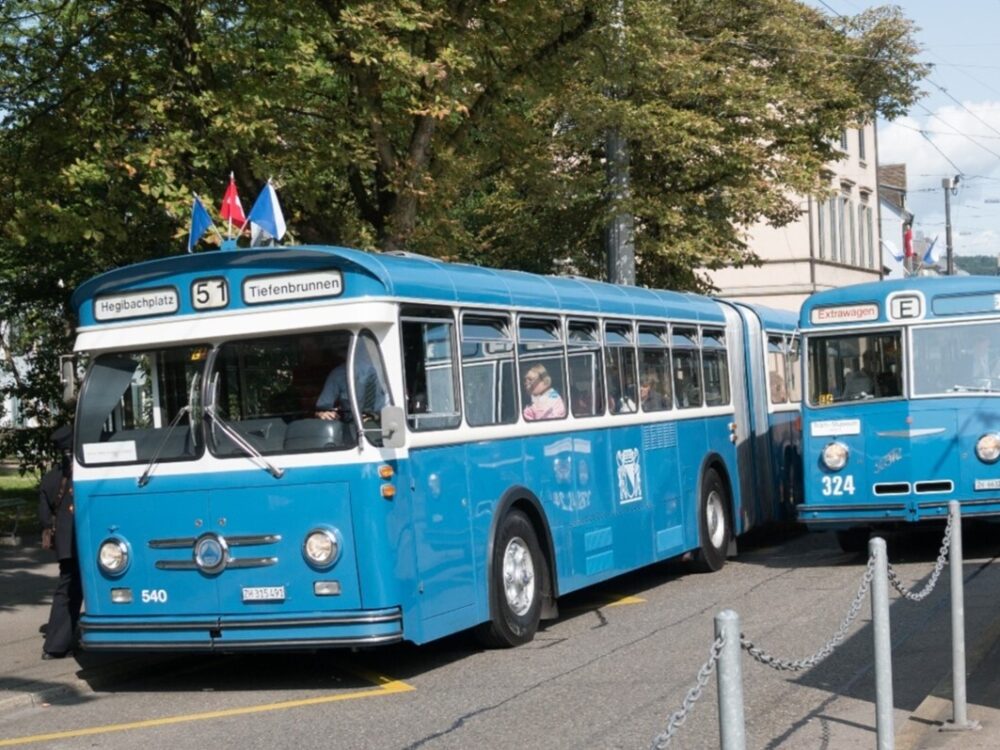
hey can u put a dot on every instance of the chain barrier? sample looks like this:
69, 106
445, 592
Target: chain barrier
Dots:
799, 665
678, 717
916, 596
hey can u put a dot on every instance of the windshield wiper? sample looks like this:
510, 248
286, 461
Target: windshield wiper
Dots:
242, 443
143, 480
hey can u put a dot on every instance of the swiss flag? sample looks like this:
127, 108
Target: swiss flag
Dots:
907, 242
232, 209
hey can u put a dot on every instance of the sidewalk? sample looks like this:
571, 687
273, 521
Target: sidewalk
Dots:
27, 578
928, 727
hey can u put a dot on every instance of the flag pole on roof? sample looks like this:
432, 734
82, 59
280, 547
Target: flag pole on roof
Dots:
201, 222
231, 210
267, 222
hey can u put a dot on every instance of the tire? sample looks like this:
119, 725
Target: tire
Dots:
714, 527
517, 575
854, 541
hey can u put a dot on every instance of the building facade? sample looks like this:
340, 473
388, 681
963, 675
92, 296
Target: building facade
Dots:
834, 242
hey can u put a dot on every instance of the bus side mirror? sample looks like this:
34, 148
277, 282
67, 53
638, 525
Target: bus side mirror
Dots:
67, 376
393, 426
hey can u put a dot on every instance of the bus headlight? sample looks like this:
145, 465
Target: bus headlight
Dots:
988, 448
112, 556
321, 548
835, 456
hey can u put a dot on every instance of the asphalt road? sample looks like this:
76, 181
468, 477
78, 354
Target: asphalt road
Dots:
606, 674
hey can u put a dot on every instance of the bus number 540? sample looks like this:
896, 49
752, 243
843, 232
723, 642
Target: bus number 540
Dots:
838, 485
154, 596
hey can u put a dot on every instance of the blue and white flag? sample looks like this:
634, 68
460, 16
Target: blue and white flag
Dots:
266, 220
200, 222
895, 252
930, 256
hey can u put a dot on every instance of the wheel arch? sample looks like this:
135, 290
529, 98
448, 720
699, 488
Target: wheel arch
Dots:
521, 498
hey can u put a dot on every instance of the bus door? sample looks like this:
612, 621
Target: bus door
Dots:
441, 512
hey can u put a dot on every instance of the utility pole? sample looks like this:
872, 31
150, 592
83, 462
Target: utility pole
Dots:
950, 185
619, 235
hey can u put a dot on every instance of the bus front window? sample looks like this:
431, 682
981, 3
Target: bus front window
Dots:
292, 394
137, 405
956, 359
853, 367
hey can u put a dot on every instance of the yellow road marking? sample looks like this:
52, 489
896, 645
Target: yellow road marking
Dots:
622, 601
385, 686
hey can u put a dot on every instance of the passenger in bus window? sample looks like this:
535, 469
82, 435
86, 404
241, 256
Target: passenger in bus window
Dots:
649, 393
859, 383
546, 403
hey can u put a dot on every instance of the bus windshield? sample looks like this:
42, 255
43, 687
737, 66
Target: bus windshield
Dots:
136, 405
290, 394
854, 367
956, 359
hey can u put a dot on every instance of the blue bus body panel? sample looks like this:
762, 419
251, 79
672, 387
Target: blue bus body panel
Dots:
169, 599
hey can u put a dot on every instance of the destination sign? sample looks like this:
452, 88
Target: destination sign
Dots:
287, 287
844, 314
136, 304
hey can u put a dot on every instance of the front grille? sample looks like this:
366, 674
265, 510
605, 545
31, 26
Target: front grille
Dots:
892, 488
243, 540
941, 485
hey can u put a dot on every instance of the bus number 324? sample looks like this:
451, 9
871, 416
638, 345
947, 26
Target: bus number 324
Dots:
838, 485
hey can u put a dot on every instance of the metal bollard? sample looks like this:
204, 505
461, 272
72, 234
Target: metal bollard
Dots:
732, 728
883, 646
959, 716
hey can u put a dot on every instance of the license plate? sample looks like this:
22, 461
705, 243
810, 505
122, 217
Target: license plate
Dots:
264, 594
987, 484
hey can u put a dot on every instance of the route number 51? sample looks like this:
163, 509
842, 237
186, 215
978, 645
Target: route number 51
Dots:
209, 294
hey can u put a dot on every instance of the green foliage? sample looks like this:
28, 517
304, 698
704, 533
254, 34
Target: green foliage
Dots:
472, 131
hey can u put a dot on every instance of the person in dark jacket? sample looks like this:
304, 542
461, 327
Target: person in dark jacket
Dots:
55, 510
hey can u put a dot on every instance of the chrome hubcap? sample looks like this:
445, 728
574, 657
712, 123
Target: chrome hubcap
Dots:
715, 519
518, 576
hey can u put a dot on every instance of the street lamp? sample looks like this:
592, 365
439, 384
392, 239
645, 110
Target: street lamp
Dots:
950, 185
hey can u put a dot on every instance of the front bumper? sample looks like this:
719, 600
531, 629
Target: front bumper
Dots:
242, 632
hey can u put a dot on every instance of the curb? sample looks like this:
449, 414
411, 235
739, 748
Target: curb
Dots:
936, 709
78, 684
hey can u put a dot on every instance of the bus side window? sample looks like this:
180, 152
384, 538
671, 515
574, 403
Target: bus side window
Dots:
794, 368
430, 370
370, 385
586, 380
542, 361
655, 391
620, 363
687, 367
715, 362
777, 370
488, 380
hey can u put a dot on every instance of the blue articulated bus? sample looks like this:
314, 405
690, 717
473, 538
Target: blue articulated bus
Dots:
302, 447
903, 407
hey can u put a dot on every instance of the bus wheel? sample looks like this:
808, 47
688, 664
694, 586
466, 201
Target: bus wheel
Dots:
515, 584
853, 540
714, 530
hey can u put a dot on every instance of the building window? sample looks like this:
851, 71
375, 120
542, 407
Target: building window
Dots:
833, 227
821, 229
843, 140
862, 154
853, 233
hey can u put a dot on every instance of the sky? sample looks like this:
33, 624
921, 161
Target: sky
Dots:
955, 128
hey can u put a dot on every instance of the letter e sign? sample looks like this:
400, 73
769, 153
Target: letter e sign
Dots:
906, 306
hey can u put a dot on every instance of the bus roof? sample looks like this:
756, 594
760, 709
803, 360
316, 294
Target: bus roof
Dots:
901, 301
398, 275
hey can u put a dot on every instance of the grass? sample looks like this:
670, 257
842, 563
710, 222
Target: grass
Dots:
24, 515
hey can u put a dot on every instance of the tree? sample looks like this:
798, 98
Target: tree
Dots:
459, 129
